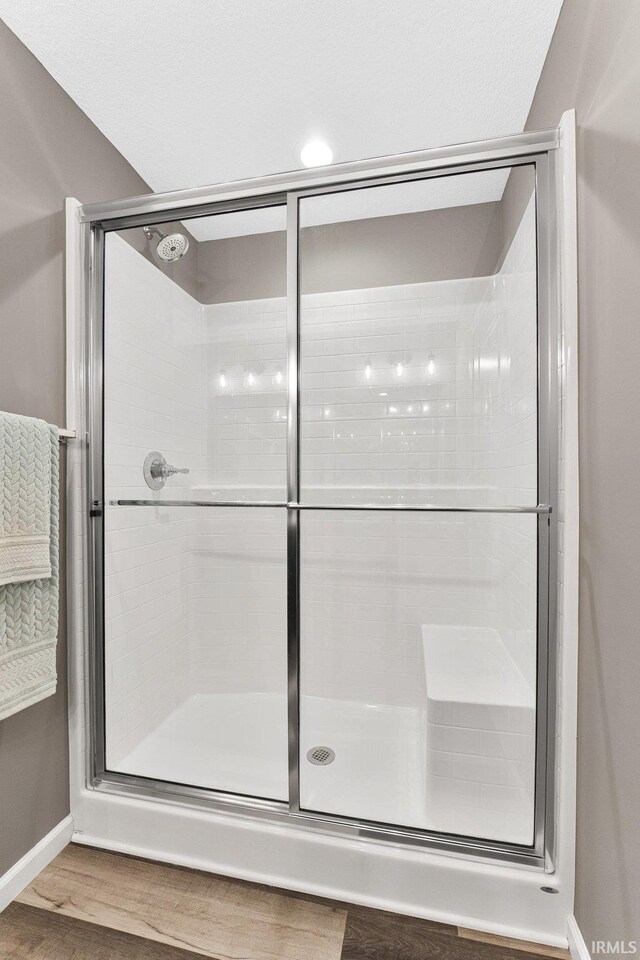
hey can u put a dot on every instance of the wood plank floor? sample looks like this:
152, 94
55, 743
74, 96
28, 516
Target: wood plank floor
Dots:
94, 905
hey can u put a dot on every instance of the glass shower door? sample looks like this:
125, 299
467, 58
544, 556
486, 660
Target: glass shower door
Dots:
418, 524
330, 595
195, 614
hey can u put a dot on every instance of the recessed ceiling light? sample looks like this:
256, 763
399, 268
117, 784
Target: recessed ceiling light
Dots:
316, 153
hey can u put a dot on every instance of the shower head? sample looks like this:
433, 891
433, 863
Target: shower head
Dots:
171, 246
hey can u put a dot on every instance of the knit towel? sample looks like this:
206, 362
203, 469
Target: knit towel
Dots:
29, 606
25, 495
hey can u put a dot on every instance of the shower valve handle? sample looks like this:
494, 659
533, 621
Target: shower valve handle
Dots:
166, 470
156, 470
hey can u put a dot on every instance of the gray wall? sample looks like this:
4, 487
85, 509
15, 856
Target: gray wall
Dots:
410, 248
183, 272
516, 196
413, 248
48, 150
447, 244
594, 65
243, 268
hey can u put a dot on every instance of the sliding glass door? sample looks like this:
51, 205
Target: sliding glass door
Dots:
418, 440
195, 607
322, 504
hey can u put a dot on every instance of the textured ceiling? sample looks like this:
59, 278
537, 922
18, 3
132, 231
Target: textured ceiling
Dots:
213, 90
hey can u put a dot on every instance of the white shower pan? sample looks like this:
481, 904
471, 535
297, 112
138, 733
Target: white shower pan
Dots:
386, 768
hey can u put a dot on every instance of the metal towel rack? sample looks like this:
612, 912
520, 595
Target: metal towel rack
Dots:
64, 434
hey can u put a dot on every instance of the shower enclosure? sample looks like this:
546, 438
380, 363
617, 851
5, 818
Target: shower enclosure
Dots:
322, 490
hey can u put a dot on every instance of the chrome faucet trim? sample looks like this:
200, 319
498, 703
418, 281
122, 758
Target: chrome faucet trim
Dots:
157, 471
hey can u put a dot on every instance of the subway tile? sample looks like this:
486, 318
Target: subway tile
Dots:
372, 622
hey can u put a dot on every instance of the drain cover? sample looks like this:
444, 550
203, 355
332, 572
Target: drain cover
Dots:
321, 756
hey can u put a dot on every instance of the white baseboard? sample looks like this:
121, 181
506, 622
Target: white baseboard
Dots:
28, 867
577, 945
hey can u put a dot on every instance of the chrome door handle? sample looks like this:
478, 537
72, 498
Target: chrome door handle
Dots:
156, 470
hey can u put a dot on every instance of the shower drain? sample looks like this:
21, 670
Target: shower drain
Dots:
321, 756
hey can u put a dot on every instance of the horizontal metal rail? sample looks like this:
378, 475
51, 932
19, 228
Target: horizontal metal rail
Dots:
179, 202
406, 507
419, 507
197, 503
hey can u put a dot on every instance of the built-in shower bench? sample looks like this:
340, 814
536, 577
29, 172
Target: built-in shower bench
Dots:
480, 719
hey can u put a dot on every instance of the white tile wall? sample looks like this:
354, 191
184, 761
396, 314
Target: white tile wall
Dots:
154, 400
237, 601
400, 386
505, 362
369, 581
196, 600
504, 348
155, 395
247, 404
457, 362
389, 398
515, 445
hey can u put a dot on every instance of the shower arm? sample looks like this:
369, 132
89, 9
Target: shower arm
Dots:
149, 232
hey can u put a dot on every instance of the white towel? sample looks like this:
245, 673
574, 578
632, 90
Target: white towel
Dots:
29, 603
25, 495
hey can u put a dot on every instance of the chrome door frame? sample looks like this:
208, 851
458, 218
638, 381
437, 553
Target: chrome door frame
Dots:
535, 149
